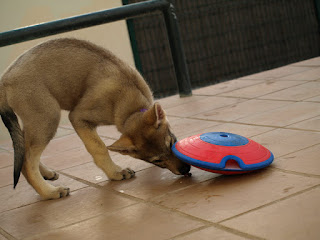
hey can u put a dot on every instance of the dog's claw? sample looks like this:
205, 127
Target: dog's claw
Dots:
127, 173
65, 193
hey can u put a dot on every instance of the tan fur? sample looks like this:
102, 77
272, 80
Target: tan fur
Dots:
98, 89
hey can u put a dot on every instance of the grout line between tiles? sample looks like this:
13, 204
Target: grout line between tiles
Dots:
237, 232
280, 156
80, 180
84, 220
240, 101
40, 199
3, 149
295, 172
206, 223
64, 135
300, 150
107, 138
189, 232
305, 65
203, 221
259, 125
6, 235
259, 97
303, 121
221, 227
66, 127
253, 84
271, 203
299, 84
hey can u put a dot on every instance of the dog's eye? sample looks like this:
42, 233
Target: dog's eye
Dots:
157, 161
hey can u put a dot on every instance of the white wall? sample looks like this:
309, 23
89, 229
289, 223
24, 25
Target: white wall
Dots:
20, 13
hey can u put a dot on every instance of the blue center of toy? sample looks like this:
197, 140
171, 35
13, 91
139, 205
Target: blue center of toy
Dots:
224, 139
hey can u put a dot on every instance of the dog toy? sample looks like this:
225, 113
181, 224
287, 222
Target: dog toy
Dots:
224, 153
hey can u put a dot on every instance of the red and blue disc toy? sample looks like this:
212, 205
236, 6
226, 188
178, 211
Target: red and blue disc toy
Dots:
224, 153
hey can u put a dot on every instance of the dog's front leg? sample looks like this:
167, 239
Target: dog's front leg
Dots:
99, 151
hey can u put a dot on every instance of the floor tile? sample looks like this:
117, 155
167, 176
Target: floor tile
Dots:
109, 131
90, 172
227, 196
6, 176
224, 87
293, 218
209, 234
284, 116
67, 143
296, 93
277, 73
4, 134
175, 100
284, 141
48, 215
304, 161
6, 144
6, 159
172, 119
63, 132
203, 105
314, 99
64, 119
261, 89
240, 129
309, 75
24, 194
67, 159
185, 126
139, 221
63, 144
241, 110
155, 181
310, 124
310, 62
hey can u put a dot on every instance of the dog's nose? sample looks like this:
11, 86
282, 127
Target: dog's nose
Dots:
184, 169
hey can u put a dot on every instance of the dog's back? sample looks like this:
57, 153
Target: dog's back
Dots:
68, 66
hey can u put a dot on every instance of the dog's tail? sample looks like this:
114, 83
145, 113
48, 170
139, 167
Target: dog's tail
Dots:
10, 120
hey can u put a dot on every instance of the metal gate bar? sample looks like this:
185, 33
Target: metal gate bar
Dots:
111, 15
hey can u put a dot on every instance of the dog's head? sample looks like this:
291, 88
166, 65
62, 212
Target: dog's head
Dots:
148, 137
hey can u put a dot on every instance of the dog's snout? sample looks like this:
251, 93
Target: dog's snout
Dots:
184, 169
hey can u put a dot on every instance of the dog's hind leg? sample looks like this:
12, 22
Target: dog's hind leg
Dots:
40, 122
47, 173
36, 140
35, 178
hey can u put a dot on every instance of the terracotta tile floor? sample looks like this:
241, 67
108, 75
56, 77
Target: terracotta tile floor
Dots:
279, 108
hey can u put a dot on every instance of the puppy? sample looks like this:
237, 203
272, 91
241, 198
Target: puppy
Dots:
97, 88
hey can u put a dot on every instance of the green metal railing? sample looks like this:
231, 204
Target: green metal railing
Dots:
111, 15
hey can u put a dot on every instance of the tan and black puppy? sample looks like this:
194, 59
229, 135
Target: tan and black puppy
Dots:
98, 89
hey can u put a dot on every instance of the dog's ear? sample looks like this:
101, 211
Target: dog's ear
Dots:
155, 116
123, 145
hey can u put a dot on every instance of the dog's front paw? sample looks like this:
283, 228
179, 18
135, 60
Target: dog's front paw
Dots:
123, 174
